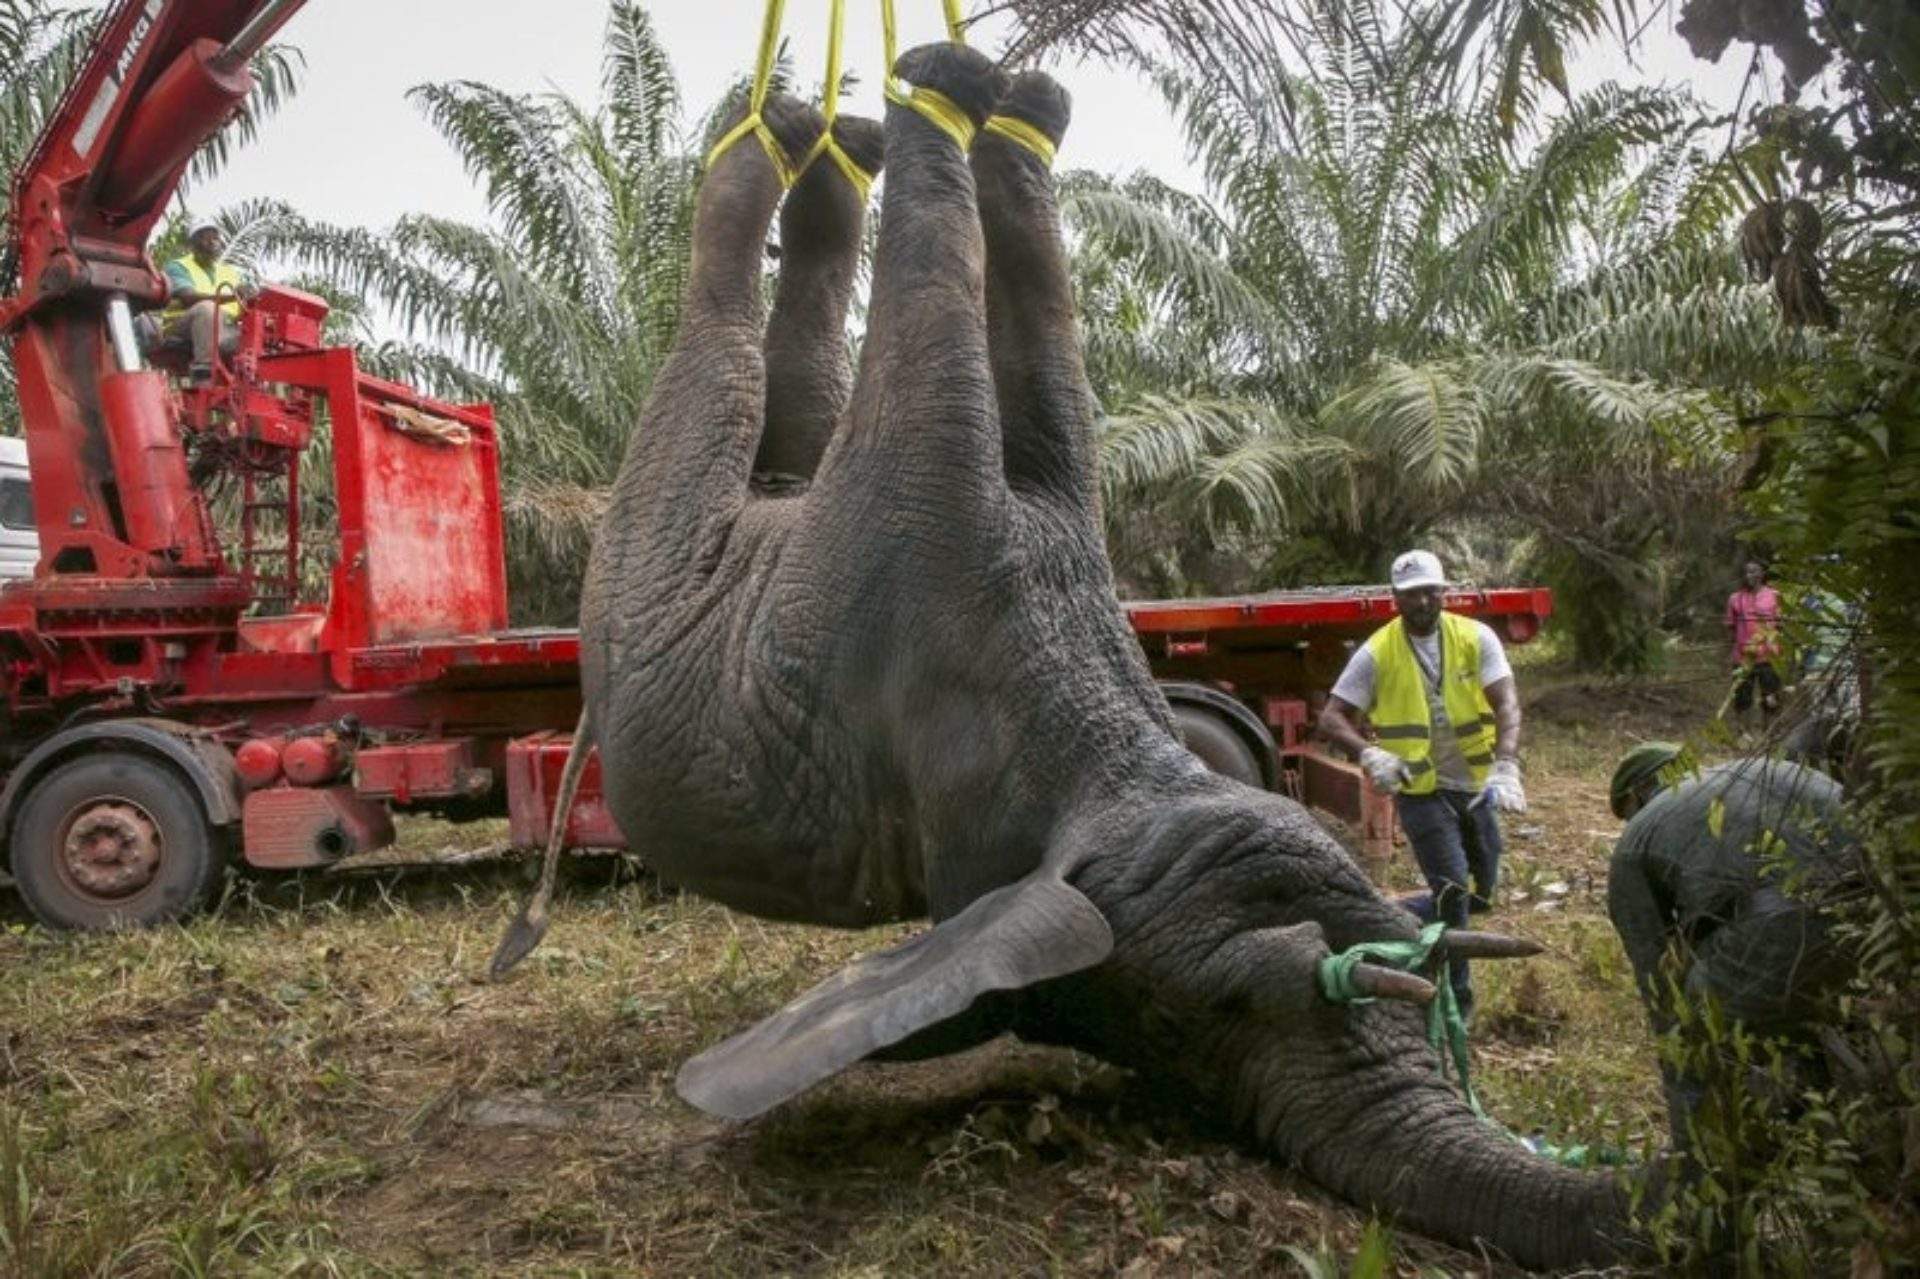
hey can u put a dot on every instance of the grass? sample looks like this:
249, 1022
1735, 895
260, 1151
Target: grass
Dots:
311, 1080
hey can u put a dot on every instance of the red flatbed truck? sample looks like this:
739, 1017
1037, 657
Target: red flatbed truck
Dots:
173, 692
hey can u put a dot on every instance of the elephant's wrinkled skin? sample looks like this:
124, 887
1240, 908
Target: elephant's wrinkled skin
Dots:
907, 690
1734, 907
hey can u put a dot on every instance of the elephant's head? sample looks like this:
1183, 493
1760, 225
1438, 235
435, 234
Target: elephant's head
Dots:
1723, 889
898, 684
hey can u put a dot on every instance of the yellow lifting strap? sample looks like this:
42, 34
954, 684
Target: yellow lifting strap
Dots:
1018, 131
755, 123
943, 112
861, 179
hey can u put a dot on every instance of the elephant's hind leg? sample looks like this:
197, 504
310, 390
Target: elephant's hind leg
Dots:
685, 475
809, 370
1039, 373
923, 434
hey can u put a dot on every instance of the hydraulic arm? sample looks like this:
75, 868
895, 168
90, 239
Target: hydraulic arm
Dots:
112, 489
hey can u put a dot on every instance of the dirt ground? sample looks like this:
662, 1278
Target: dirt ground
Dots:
311, 1080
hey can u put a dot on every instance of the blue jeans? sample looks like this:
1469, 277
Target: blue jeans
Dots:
1457, 845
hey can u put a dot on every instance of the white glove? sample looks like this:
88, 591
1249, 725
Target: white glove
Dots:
1503, 786
1388, 771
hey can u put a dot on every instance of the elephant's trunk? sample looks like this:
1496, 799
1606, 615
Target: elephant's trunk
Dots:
1395, 1137
1220, 916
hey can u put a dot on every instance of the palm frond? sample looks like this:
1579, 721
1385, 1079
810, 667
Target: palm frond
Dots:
1525, 216
1225, 463
520, 148
1139, 231
641, 92
1161, 438
1456, 46
1426, 418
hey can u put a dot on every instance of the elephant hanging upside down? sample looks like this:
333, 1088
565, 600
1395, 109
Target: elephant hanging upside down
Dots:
903, 688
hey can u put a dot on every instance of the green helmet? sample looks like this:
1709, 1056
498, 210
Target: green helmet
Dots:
1637, 766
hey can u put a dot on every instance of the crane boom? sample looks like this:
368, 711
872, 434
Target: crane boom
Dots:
159, 79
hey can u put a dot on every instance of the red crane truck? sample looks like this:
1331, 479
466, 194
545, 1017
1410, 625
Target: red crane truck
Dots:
173, 697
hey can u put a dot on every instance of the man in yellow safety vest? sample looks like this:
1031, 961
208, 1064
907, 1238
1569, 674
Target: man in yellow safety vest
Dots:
1440, 695
204, 295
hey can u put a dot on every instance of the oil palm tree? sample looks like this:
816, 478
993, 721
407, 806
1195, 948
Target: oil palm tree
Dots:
1614, 398
1395, 227
1400, 316
558, 310
1493, 56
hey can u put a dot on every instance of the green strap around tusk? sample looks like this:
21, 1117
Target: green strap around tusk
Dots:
1446, 1030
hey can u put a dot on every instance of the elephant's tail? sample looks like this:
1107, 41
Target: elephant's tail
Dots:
530, 925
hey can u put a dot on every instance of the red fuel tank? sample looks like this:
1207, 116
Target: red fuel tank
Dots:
258, 761
312, 761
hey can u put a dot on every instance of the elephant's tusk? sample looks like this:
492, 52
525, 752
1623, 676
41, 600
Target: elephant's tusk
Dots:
1377, 982
1465, 944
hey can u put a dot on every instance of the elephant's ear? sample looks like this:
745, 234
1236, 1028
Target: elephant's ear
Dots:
1027, 932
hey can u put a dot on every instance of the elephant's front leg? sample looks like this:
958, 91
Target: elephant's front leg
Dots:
667, 598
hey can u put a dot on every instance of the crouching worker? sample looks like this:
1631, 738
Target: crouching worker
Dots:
1441, 698
1717, 889
204, 296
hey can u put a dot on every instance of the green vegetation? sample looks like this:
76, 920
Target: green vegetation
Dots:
1389, 322
1834, 489
561, 309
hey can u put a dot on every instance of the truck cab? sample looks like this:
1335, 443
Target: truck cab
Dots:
19, 539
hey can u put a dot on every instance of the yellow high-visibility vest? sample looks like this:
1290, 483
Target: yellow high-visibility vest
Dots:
208, 283
1399, 711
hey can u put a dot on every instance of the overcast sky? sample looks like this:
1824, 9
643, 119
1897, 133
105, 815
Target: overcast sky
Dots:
350, 149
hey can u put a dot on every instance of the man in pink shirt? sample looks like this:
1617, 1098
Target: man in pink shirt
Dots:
1753, 624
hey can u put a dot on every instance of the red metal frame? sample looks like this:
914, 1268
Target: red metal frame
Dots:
142, 604
534, 766
1349, 612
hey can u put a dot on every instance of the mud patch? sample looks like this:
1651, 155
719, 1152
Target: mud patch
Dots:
1641, 710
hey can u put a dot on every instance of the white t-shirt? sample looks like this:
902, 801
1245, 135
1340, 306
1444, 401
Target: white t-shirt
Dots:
1356, 687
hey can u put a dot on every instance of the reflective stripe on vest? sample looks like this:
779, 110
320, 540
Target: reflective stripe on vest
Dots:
204, 283
1400, 716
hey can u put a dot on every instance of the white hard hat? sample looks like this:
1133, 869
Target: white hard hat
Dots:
204, 224
1416, 569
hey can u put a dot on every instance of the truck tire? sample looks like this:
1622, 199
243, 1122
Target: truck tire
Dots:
113, 840
1218, 746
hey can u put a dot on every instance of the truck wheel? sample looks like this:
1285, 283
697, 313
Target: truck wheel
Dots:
113, 840
1217, 745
